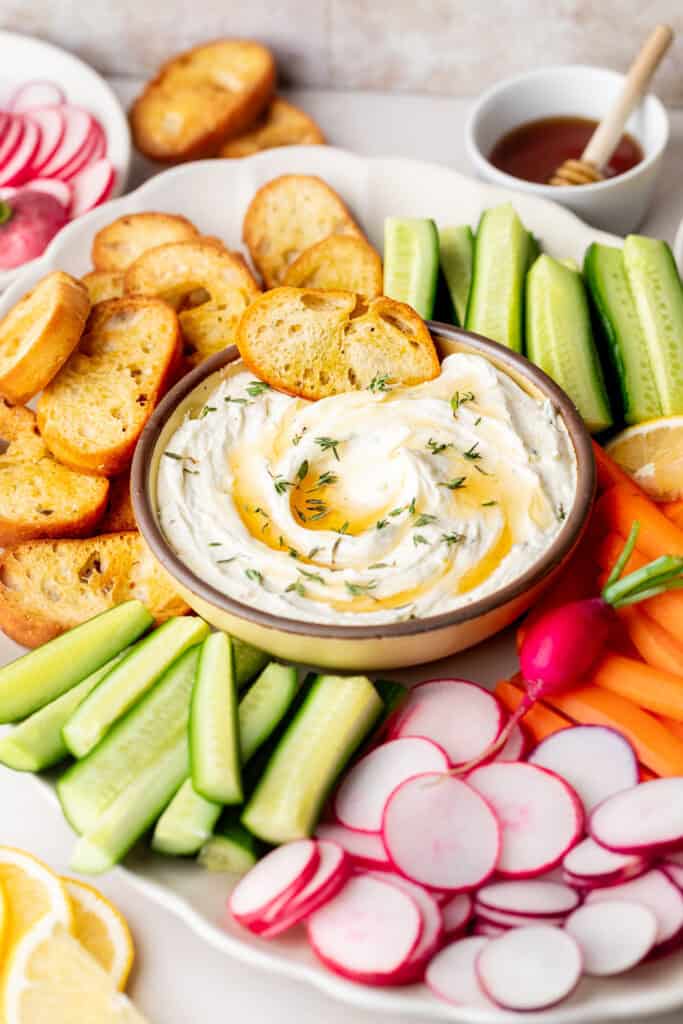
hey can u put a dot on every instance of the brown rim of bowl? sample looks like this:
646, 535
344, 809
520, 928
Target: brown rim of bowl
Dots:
563, 543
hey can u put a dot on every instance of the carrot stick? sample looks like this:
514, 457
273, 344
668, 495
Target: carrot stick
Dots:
609, 473
656, 746
620, 507
665, 609
538, 721
653, 643
648, 687
673, 510
645, 774
675, 727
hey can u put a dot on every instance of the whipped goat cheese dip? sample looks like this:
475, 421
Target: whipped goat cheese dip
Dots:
370, 506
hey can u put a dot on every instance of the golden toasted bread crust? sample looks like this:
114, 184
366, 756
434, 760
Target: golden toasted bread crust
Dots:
103, 285
339, 263
281, 124
117, 245
288, 215
93, 412
201, 98
119, 516
314, 343
39, 334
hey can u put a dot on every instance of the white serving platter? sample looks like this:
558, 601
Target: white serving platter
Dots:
214, 195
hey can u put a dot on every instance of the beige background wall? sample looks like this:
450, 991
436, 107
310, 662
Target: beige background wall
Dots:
455, 47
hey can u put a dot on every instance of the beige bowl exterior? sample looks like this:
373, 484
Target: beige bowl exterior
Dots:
361, 648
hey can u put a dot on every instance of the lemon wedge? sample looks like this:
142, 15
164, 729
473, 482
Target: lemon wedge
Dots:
652, 453
102, 930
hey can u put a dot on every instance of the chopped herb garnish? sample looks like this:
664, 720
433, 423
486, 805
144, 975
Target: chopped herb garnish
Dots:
224, 561
437, 447
477, 421
404, 508
293, 553
281, 485
419, 539
318, 507
472, 452
302, 471
488, 504
411, 506
324, 480
297, 587
206, 410
257, 387
359, 589
328, 444
301, 515
297, 437
191, 472
380, 382
335, 548
452, 538
174, 455
425, 519
455, 484
379, 565
255, 575
459, 398
237, 401
344, 527
381, 523
561, 514
482, 471
215, 543
313, 552
315, 576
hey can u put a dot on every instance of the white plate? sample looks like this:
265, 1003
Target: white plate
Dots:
214, 195
24, 59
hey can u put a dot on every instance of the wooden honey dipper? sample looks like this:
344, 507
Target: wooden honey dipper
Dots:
605, 139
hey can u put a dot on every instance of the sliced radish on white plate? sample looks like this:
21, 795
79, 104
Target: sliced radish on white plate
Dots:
529, 968
646, 819
281, 874
360, 800
506, 919
440, 833
487, 929
50, 120
36, 94
460, 716
595, 760
78, 132
456, 913
16, 168
452, 976
654, 890
11, 138
613, 937
59, 190
528, 898
432, 925
368, 932
674, 872
514, 747
539, 813
367, 850
334, 867
590, 864
91, 187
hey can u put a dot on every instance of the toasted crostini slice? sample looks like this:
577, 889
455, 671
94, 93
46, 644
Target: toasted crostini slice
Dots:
119, 515
339, 263
120, 243
281, 124
103, 285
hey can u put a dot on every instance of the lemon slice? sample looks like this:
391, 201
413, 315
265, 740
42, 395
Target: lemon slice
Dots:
102, 930
53, 979
652, 453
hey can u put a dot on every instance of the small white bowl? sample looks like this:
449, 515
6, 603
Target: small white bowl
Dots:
617, 204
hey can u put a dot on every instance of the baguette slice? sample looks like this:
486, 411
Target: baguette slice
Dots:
281, 124
50, 586
201, 98
314, 343
92, 414
119, 516
209, 286
38, 496
39, 334
288, 215
339, 263
120, 243
103, 285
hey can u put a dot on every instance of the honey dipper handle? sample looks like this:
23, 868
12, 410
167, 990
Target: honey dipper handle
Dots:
605, 138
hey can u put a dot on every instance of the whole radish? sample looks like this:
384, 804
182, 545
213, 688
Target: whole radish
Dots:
28, 221
561, 646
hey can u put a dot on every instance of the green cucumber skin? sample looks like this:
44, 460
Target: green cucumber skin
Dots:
186, 823
421, 292
627, 349
122, 688
456, 255
658, 296
213, 726
42, 675
89, 786
264, 706
560, 339
37, 743
249, 661
231, 850
334, 717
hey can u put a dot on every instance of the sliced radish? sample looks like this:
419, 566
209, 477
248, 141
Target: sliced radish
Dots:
505, 919
654, 890
591, 864
18, 167
440, 833
91, 187
59, 190
612, 937
36, 94
281, 874
487, 929
645, 819
366, 850
674, 872
432, 925
334, 868
514, 747
11, 138
529, 968
452, 976
84, 157
456, 913
594, 760
52, 125
540, 814
367, 932
532, 898
460, 716
78, 133
361, 798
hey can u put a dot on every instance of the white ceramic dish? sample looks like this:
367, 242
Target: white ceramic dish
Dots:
678, 248
214, 195
618, 204
23, 58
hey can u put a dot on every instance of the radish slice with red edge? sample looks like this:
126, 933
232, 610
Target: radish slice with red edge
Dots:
84, 157
281, 874
440, 833
487, 929
452, 976
591, 864
367, 850
456, 913
596, 761
503, 919
51, 123
360, 800
432, 925
514, 746
529, 968
59, 190
612, 937
540, 814
368, 932
462, 717
11, 138
673, 871
36, 94
333, 870
654, 890
646, 819
530, 898
78, 132
18, 167
91, 187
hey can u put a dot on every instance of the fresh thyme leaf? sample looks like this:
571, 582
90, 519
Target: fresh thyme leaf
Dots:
344, 527
191, 472
379, 565
452, 538
472, 452
455, 484
488, 504
419, 539
315, 576
174, 455
381, 523
206, 410
380, 382
425, 519
459, 398
480, 470
324, 479
293, 553
477, 421
319, 515
335, 548
313, 552
315, 503
328, 444
437, 447
302, 471
297, 437
261, 512
224, 561
297, 587
561, 514
257, 387
215, 543
358, 589
301, 515
411, 507
404, 508
255, 575
237, 401
281, 485
397, 511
